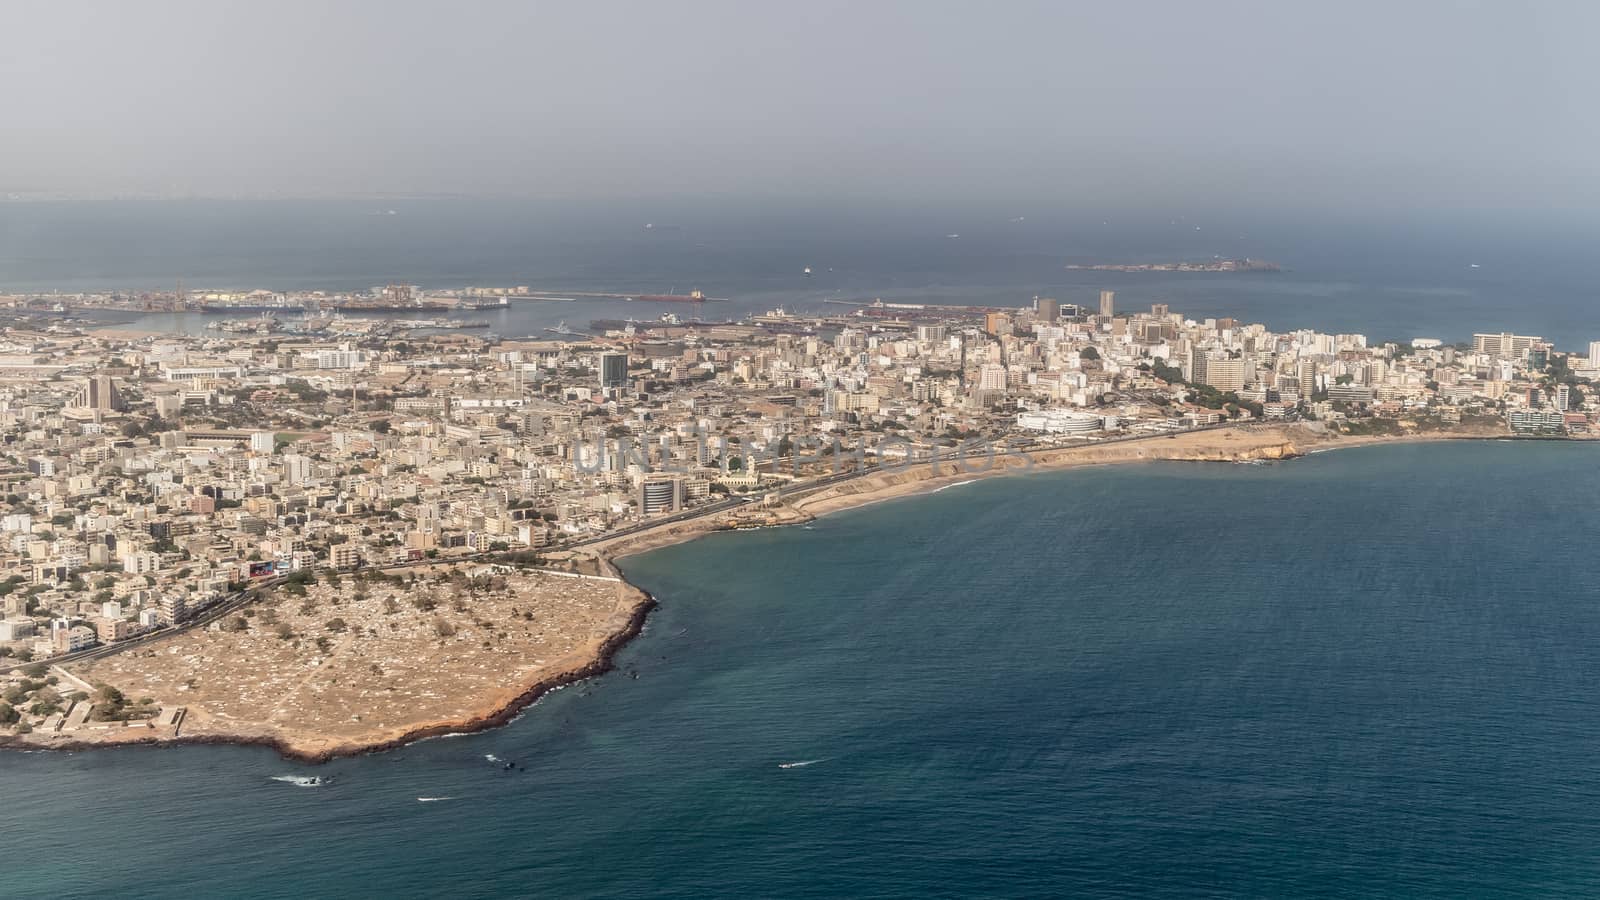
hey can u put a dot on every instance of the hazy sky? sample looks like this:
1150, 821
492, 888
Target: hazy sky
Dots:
1442, 104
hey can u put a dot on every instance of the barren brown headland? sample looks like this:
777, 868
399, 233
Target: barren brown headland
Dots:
361, 663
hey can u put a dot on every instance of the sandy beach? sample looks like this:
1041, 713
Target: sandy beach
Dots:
1232, 444
319, 726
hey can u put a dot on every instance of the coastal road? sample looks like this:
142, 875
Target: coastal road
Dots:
230, 603
240, 599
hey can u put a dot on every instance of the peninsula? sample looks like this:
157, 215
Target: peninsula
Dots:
331, 538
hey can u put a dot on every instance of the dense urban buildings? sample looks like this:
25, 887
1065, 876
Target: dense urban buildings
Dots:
148, 478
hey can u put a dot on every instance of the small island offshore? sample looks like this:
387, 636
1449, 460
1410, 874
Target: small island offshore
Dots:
1213, 265
332, 535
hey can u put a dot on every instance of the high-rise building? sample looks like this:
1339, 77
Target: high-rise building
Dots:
1048, 309
1306, 375
1594, 354
1505, 344
660, 494
100, 393
613, 370
1223, 373
997, 323
1160, 310
1108, 303
991, 377
341, 358
296, 469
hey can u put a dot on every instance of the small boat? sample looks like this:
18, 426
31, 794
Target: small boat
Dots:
301, 780
801, 764
808, 272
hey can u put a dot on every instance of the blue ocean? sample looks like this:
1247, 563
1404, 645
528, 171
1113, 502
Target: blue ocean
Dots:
1364, 672
1389, 277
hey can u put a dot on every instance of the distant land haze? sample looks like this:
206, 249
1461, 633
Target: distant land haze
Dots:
1420, 276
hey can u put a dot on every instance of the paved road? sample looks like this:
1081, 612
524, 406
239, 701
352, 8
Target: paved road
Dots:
921, 455
230, 603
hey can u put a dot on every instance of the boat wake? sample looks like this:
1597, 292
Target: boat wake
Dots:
802, 763
433, 799
491, 757
301, 780
949, 486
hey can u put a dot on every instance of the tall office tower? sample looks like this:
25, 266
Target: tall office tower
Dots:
613, 370
1048, 309
1159, 310
1306, 374
100, 393
1594, 354
1193, 363
991, 377
1108, 303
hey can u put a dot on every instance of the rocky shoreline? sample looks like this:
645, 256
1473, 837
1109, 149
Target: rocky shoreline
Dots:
1275, 444
603, 662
